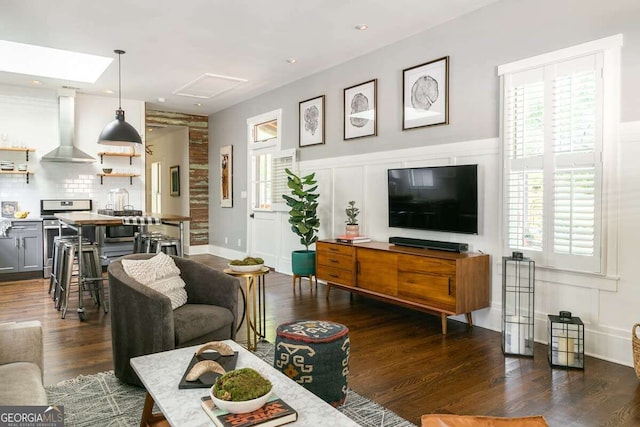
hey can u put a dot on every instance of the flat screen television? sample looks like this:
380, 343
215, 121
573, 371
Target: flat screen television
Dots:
442, 198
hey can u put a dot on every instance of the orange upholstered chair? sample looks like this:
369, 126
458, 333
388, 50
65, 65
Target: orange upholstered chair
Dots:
449, 420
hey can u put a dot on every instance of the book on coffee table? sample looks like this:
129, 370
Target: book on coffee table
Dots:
274, 413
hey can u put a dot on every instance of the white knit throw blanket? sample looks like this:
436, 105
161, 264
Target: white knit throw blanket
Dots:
5, 224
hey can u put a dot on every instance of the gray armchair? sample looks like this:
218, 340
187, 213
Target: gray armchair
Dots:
21, 364
142, 321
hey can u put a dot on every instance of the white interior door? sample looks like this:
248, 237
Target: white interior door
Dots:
268, 212
264, 237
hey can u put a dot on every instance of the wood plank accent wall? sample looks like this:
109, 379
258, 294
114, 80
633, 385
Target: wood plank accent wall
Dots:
198, 168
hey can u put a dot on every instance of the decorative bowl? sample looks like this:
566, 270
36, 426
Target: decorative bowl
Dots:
246, 268
107, 170
240, 407
243, 382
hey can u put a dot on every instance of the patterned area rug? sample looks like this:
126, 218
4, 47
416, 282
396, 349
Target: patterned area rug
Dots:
102, 400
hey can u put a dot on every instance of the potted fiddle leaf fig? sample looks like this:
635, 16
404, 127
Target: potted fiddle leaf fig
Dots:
352, 229
303, 217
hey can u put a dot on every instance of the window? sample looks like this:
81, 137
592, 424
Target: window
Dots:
553, 131
267, 176
270, 179
263, 132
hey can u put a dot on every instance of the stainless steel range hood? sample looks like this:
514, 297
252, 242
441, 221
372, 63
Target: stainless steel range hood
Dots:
66, 151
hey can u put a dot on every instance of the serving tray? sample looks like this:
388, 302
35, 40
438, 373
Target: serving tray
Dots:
208, 379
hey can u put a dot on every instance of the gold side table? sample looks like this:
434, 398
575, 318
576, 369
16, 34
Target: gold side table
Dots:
254, 303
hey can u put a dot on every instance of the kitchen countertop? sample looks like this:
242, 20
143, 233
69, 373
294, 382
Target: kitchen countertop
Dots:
23, 219
90, 218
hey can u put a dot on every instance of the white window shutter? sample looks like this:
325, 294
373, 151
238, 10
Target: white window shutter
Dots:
553, 141
281, 160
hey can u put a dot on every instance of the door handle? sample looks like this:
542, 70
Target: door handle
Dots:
17, 242
252, 215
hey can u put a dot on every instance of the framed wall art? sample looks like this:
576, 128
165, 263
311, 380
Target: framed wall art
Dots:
9, 208
425, 94
174, 174
226, 176
311, 121
360, 112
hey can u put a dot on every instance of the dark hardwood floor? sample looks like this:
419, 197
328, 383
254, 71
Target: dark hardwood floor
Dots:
399, 358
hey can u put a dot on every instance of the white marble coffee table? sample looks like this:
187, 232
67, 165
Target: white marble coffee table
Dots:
161, 373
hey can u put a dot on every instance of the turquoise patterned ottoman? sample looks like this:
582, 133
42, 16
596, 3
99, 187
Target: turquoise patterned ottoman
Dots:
315, 354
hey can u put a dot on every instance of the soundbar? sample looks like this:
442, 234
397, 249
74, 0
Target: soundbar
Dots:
429, 244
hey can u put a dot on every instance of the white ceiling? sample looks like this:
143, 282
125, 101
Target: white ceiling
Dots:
170, 43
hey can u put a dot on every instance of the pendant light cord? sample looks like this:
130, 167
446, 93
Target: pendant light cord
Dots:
119, 52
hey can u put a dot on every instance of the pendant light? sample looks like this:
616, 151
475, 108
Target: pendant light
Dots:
119, 132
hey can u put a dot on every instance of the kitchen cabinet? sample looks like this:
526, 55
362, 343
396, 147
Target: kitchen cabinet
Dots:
438, 282
21, 248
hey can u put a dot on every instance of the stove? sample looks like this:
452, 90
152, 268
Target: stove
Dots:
116, 240
52, 206
51, 225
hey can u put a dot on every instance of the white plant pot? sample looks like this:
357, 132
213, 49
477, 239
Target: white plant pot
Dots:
353, 230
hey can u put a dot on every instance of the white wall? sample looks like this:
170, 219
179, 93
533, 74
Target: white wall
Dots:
477, 43
31, 115
607, 305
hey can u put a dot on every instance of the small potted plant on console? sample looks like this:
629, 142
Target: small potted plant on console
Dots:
352, 229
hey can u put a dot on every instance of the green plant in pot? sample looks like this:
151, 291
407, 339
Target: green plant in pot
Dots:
352, 229
303, 217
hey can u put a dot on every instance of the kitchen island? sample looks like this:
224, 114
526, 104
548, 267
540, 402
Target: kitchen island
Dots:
76, 220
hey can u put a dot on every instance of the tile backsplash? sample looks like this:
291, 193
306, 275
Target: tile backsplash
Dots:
30, 117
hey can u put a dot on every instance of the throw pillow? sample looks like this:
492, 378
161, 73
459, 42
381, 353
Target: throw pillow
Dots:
161, 274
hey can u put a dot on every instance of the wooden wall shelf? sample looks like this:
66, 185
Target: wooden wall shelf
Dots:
118, 175
104, 154
19, 149
26, 173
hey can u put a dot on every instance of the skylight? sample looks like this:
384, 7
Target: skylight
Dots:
54, 63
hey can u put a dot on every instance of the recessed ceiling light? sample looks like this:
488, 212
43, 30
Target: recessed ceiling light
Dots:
149, 129
54, 63
36, 82
361, 27
198, 104
109, 91
291, 60
161, 100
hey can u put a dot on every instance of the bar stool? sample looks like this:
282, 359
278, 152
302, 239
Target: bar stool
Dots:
54, 280
166, 244
142, 242
92, 268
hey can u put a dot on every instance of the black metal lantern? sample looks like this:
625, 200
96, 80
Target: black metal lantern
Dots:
518, 285
566, 341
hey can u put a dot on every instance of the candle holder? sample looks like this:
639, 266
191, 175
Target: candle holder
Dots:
518, 283
566, 341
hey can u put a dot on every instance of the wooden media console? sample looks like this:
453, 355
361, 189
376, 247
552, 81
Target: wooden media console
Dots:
438, 282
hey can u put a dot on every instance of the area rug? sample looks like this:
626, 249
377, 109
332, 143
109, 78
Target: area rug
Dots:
102, 400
